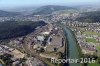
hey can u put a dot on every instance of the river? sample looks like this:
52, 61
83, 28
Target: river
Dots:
71, 47
0, 64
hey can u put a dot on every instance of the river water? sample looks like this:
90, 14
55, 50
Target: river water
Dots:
0, 64
72, 47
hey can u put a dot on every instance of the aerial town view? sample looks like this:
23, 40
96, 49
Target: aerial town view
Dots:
49, 33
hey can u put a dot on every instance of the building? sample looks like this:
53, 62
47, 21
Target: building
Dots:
40, 38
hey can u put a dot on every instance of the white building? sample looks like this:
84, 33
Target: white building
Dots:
40, 38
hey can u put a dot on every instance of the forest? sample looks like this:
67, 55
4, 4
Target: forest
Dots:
13, 29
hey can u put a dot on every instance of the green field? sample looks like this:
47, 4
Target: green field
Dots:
93, 64
98, 48
91, 33
93, 41
90, 40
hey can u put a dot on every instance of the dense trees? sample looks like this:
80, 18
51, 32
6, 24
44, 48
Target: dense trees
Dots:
7, 59
11, 29
90, 17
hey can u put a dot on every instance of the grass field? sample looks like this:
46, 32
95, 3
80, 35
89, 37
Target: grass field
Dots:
93, 41
98, 48
93, 64
90, 40
91, 33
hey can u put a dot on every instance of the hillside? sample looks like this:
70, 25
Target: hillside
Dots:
90, 17
49, 9
14, 29
7, 14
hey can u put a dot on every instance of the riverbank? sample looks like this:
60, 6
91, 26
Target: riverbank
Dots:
2, 63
